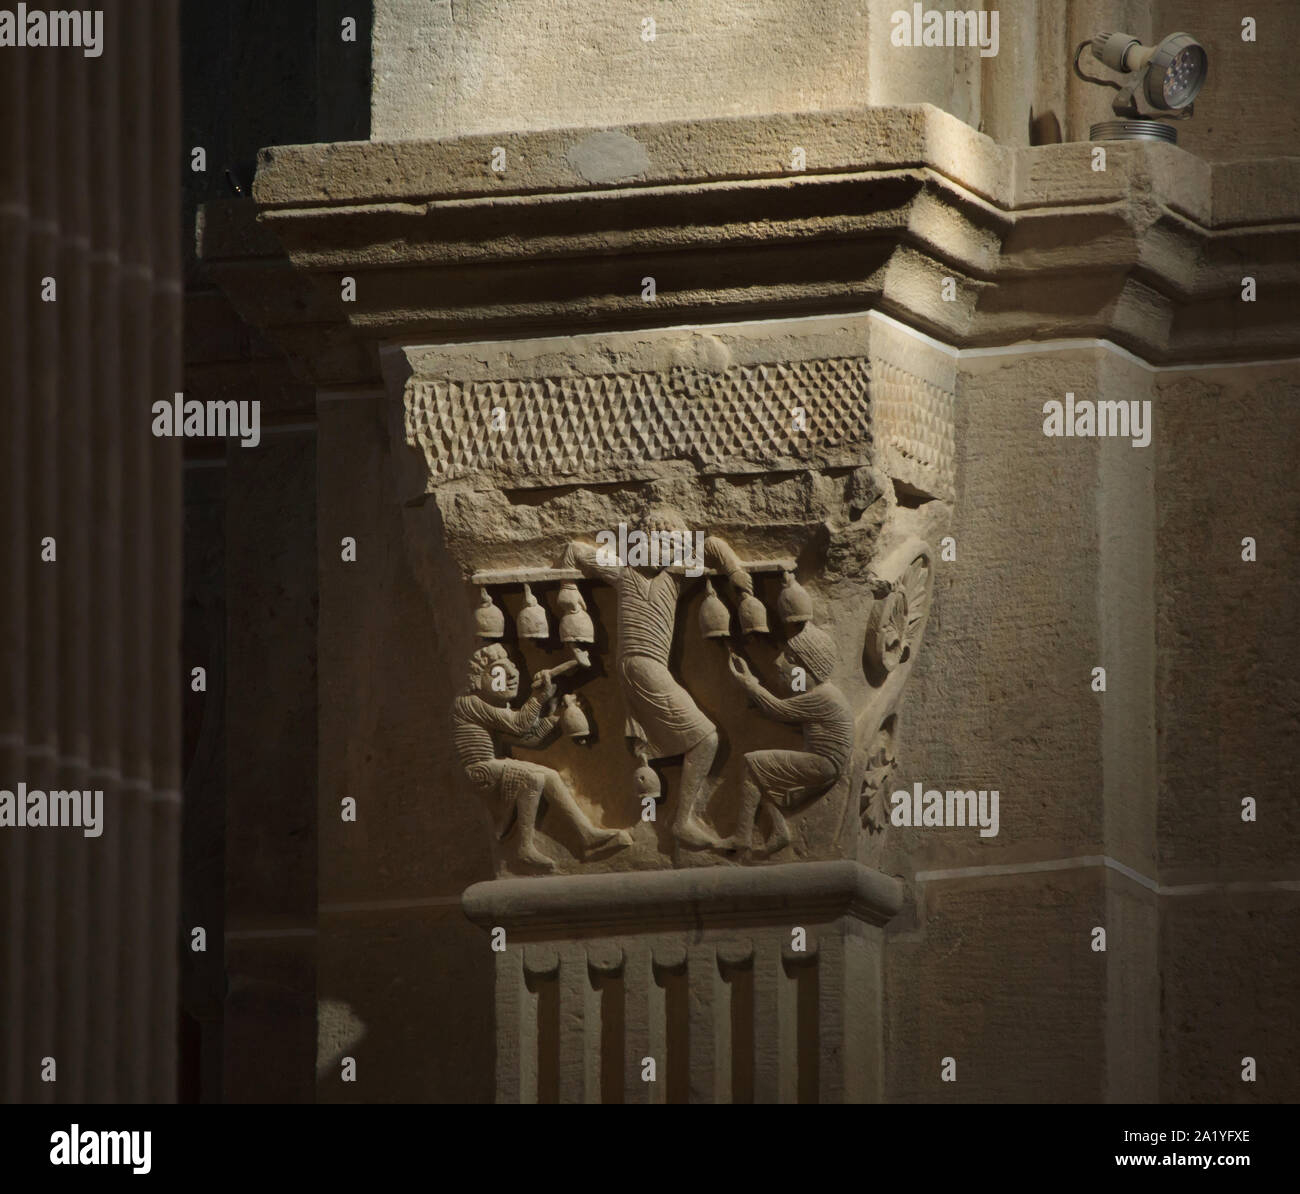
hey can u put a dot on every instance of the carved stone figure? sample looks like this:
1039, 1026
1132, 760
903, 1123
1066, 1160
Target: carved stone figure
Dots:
663, 719
484, 725
786, 779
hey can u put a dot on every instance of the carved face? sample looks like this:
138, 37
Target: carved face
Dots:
785, 664
498, 678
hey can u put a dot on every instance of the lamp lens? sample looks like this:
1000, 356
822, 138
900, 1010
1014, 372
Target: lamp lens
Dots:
1184, 76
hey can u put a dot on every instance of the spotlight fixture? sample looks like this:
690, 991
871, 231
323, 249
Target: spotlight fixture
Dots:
1165, 81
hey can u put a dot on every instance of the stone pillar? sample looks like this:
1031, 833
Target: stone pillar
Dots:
72, 606
725, 954
165, 683
15, 315
42, 652
109, 430
930, 288
91, 610
779, 969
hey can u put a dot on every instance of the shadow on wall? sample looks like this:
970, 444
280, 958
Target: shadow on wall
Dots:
255, 74
1044, 128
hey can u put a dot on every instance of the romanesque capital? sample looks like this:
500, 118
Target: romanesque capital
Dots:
696, 568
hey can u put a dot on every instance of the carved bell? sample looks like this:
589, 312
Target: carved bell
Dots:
531, 622
793, 603
715, 617
489, 621
753, 615
573, 721
575, 621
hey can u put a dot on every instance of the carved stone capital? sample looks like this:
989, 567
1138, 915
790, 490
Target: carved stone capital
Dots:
698, 568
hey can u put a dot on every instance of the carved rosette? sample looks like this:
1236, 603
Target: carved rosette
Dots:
706, 557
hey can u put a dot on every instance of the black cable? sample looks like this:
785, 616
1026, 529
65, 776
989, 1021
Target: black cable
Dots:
1090, 78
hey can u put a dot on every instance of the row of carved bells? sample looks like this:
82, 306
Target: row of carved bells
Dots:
793, 604
532, 622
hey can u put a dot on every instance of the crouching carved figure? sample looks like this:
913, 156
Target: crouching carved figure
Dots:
484, 727
787, 779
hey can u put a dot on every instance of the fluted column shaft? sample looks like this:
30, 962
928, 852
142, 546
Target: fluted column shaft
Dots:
89, 617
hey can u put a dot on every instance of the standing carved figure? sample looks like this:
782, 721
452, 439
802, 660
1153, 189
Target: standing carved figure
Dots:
663, 719
786, 779
483, 726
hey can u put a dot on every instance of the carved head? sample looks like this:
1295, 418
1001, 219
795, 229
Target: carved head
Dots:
811, 649
492, 674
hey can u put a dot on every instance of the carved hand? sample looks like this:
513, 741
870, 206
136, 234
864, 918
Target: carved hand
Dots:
740, 671
742, 580
543, 684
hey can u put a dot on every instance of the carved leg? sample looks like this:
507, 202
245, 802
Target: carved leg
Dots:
593, 838
695, 781
751, 794
780, 831
526, 810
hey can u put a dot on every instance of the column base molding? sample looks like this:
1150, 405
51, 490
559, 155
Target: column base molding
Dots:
708, 985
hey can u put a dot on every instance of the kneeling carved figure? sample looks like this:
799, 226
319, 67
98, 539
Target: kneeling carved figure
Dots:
787, 779
484, 726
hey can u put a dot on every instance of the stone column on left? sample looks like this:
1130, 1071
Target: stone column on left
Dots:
89, 260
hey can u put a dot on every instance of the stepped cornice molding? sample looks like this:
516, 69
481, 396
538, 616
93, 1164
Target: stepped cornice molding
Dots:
1149, 253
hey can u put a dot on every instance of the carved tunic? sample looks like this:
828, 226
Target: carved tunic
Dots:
501, 781
475, 721
647, 610
661, 713
827, 722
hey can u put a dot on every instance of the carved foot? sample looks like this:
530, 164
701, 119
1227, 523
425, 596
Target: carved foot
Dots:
535, 858
607, 841
736, 844
691, 835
